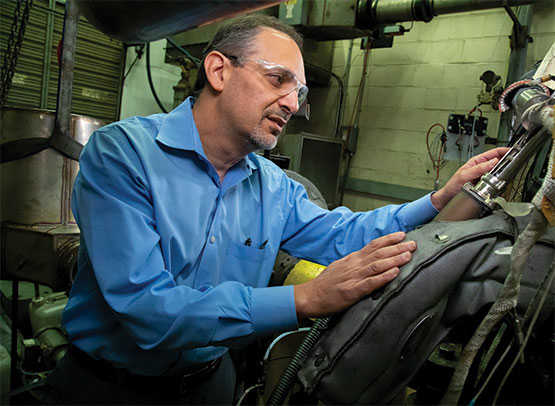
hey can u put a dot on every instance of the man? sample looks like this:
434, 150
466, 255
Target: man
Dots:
181, 223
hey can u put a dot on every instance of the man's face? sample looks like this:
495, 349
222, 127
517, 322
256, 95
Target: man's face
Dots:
259, 109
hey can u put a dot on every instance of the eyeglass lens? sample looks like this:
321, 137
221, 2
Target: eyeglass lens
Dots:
286, 82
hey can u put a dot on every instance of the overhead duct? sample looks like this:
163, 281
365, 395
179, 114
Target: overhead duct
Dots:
371, 13
333, 19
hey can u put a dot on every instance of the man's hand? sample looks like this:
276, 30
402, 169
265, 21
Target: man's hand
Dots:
346, 281
470, 171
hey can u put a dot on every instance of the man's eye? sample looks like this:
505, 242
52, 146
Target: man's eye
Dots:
276, 79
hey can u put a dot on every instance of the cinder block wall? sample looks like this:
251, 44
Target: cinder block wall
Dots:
431, 71
137, 99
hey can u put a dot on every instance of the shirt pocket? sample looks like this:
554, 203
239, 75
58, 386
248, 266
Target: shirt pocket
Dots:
251, 266
252, 253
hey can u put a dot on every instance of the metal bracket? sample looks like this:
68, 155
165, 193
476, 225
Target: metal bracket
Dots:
519, 37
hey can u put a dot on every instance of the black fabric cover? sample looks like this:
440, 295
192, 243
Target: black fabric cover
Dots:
374, 348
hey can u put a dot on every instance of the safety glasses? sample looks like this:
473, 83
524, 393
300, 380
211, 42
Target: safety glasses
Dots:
281, 78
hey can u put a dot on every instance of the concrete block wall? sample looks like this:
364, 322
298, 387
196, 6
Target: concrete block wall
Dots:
430, 72
137, 99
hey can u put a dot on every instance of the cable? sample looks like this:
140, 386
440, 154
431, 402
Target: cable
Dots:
138, 55
340, 104
497, 364
546, 286
516, 187
355, 117
339, 113
474, 109
506, 300
149, 75
288, 376
436, 163
247, 392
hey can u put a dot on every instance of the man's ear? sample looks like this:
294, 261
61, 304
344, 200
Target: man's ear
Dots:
215, 69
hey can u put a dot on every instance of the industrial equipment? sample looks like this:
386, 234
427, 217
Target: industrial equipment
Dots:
371, 352
133, 22
307, 152
532, 103
39, 237
364, 338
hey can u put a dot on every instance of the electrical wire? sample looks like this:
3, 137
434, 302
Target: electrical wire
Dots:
497, 364
546, 286
505, 301
476, 108
437, 163
355, 117
247, 391
345, 80
288, 376
131, 67
340, 104
340, 96
516, 188
149, 75
358, 99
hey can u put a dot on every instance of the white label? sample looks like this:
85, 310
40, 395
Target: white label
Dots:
289, 5
95, 94
18, 79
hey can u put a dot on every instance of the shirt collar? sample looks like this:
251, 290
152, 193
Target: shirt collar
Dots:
178, 130
249, 162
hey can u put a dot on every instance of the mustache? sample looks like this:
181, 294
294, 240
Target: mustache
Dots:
279, 113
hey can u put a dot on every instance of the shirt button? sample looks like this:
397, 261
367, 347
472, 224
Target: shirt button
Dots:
212, 239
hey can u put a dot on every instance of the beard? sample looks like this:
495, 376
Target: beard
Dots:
260, 138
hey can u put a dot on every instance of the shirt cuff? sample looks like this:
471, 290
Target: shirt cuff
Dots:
273, 309
419, 211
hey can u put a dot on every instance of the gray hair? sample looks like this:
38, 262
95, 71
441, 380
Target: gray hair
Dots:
236, 38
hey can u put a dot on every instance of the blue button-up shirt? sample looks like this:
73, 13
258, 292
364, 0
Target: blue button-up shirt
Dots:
174, 264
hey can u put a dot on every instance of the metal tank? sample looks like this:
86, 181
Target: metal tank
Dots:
39, 239
37, 189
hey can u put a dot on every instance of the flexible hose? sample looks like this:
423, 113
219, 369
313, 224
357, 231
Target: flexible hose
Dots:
149, 75
290, 374
249, 390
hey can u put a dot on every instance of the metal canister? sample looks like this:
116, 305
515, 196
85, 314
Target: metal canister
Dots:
37, 189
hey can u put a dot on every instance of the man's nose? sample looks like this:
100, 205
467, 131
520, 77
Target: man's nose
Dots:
290, 102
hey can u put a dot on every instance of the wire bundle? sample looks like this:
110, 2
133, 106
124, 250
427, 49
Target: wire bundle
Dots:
436, 150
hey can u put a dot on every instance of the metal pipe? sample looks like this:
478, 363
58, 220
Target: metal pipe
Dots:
517, 68
457, 6
64, 101
474, 201
375, 12
65, 80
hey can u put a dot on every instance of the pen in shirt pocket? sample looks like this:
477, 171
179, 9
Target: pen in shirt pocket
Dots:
263, 245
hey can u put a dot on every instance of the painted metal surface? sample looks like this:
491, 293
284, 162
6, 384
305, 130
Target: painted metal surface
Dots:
31, 188
137, 22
